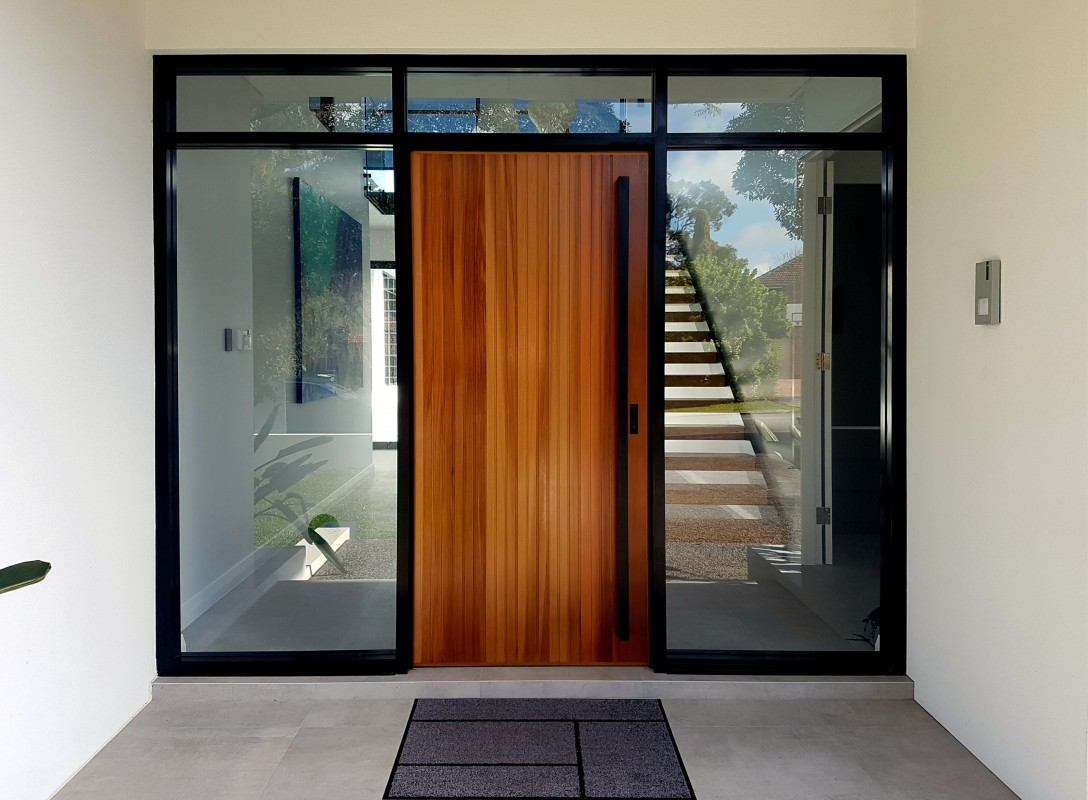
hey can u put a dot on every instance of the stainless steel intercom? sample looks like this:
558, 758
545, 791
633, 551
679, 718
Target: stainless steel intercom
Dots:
988, 292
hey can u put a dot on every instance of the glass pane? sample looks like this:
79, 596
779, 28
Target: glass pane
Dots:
285, 103
287, 419
699, 104
761, 280
503, 102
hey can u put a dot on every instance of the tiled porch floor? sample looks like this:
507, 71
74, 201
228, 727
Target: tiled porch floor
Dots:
267, 749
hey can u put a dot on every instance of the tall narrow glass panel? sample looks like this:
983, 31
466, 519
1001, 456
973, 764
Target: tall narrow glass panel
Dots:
287, 411
772, 458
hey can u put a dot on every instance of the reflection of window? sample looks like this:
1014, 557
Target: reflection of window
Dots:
389, 291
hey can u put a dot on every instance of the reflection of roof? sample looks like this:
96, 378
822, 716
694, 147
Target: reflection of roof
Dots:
785, 276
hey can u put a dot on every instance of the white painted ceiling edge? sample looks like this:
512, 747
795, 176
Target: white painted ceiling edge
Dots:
557, 27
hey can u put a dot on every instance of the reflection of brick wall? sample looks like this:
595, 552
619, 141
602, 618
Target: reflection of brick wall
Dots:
787, 278
789, 376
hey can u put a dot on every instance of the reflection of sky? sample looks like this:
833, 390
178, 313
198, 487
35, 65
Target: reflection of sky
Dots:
752, 228
693, 118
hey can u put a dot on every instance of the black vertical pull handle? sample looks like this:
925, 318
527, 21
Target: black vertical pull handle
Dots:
623, 239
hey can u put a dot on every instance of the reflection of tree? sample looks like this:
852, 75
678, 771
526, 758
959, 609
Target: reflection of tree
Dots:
773, 175
334, 328
335, 334
274, 358
748, 318
511, 115
694, 211
497, 116
552, 117
334, 114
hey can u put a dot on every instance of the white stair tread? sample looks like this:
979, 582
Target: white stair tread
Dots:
733, 447
678, 308
698, 393
690, 347
678, 290
713, 368
676, 273
724, 419
715, 477
686, 327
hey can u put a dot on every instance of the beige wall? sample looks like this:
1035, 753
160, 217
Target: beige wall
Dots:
77, 359
557, 26
998, 417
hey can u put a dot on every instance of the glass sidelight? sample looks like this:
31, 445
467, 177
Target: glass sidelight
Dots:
773, 366
287, 399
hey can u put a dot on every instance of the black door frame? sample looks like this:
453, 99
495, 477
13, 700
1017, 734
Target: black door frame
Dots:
891, 143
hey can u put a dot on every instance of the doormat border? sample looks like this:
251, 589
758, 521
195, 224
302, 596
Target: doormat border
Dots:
570, 717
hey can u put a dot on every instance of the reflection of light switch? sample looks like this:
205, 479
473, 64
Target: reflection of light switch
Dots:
988, 292
245, 339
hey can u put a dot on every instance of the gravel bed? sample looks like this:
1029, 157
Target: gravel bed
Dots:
693, 561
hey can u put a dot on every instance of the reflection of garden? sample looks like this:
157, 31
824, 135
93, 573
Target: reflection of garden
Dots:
367, 505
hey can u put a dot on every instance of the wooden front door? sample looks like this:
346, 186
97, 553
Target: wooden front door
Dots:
522, 422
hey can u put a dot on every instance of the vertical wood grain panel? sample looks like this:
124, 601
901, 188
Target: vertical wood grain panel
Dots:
514, 259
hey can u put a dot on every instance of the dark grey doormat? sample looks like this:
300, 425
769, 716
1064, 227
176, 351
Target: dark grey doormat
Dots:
538, 749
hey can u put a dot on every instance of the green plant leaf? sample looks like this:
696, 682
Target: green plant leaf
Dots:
327, 551
324, 521
23, 574
315, 538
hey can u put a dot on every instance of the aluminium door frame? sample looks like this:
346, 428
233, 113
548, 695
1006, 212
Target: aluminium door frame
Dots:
891, 143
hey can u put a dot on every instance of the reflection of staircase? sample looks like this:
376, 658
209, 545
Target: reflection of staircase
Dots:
716, 496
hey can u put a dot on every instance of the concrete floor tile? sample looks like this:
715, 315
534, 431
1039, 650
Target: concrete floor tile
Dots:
357, 713
351, 763
180, 764
741, 713
922, 762
772, 762
232, 714
854, 713
800, 749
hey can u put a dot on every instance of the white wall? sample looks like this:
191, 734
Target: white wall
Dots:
77, 414
998, 431
557, 26
215, 388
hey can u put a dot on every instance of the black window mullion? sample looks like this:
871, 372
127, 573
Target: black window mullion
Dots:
656, 371
402, 187
400, 101
777, 141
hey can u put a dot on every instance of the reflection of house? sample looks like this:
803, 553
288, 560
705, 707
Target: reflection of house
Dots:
787, 278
